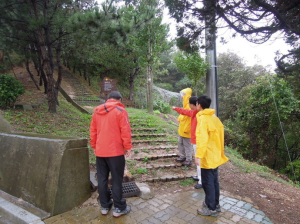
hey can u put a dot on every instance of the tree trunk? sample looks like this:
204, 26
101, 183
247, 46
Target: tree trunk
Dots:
85, 71
31, 75
43, 75
131, 81
59, 69
149, 76
46, 63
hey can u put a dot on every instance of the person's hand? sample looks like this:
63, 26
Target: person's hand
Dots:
173, 108
197, 161
127, 153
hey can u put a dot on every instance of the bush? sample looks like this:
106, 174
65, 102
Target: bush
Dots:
10, 89
162, 106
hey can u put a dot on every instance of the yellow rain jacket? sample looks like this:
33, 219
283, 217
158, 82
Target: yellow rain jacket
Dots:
184, 129
210, 139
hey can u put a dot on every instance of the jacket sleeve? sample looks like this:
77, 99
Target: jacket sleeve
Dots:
201, 137
93, 132
184, 112
125, 130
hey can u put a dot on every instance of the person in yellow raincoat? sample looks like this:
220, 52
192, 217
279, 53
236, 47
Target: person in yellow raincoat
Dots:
184, 145
210, 154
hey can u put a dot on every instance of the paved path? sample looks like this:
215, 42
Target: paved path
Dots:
170, 209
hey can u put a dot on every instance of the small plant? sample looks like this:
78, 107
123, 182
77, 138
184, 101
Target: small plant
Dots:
10, 90
156, 112
154, 173
185, 168
168, 149
141, 171
187, 182
146, 159
146, 150
166, 116
136, 151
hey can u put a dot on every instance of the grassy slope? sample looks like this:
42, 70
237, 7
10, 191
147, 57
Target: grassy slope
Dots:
68, 121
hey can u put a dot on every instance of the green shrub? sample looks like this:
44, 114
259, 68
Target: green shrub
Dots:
162, 106
10, 89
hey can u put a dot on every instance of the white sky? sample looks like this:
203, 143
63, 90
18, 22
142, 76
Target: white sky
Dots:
260, 54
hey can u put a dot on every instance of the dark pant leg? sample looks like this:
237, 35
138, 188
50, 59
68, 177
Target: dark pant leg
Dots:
117, 166
102, 175
210, 187
217, 186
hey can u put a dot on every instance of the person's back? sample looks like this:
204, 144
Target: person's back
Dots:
210, 139
210, 154
113, 129
111, 138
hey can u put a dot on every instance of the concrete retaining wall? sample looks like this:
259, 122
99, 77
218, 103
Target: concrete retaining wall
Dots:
48, 172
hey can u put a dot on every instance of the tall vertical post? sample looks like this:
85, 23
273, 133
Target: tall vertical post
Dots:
210, 43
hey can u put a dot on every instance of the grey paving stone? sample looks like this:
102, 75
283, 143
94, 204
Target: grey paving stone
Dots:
258, 218
247, 206
250, 215
266, 222
240, 204
257, 211
230, 200
226, 206
238, 211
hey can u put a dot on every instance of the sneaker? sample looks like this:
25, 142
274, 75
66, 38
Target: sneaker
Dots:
105, 211
218, 207
187, 163
180, 160
117, 212
195, 178
207, 212
198, 186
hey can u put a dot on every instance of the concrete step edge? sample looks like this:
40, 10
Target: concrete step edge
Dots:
17, 214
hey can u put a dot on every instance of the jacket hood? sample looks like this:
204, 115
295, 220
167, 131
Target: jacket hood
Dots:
108, 106
186, 97
206, 112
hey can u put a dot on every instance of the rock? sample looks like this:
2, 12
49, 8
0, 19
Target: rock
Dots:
146, 192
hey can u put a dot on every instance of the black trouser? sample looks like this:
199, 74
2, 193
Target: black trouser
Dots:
116, 166
210, 184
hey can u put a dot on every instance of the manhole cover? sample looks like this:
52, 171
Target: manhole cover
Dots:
129, 189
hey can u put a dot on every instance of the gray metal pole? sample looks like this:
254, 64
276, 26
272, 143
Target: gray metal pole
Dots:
211, 76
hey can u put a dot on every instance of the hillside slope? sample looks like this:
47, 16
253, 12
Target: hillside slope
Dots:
239, 179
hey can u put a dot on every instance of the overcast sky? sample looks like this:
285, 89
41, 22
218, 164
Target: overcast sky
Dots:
261, 54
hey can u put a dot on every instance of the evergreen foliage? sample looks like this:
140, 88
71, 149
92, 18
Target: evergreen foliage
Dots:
10, 89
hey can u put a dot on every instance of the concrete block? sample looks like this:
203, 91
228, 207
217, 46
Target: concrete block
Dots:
146, 192
48, 172
5, 126
16, 214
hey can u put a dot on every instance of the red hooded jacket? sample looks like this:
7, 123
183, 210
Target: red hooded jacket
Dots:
110, 130
192, 114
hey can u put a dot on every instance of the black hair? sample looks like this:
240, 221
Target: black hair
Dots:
193, 100
204, 101
115, 95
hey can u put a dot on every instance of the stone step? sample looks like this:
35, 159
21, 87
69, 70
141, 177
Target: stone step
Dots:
144, 129
147, 135
149, 141
168, 178
154, 157
158, 147
15, 210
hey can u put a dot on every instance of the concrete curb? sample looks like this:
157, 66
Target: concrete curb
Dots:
16, 214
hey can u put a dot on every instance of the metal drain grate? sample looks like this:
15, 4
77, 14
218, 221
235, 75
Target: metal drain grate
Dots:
129, 189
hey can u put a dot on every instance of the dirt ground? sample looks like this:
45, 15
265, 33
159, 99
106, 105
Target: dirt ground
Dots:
280, 202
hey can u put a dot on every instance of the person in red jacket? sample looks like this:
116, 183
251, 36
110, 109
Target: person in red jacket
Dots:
192, 113
110, 134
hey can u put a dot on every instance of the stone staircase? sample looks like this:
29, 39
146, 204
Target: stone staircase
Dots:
153, 154
78, 92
